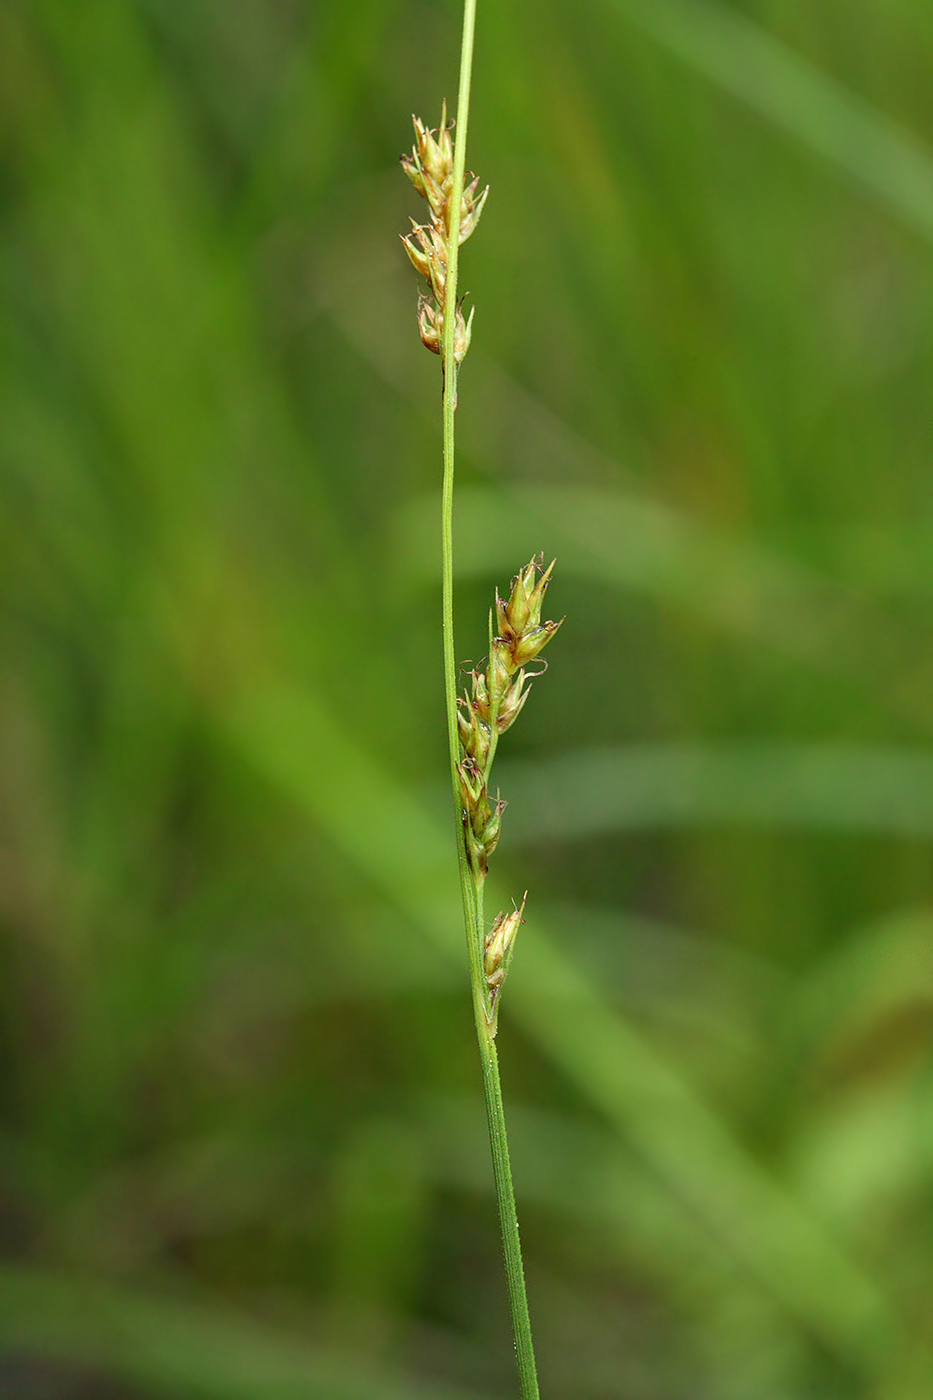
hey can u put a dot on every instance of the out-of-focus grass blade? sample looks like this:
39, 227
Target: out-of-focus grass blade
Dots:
177, 1346
714, 1004
637, 953
698, 1158
623, 540
876, 973
744, 59
290, 736
651, 786
575, 1172
865, 1155
293, 739
860, 1021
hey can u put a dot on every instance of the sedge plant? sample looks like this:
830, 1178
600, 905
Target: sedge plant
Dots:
499, 689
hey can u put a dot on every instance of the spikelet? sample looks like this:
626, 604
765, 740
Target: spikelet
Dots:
498, 947
430, 168
496, 697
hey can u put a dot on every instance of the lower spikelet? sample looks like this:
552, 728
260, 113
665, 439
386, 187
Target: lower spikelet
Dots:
497, 696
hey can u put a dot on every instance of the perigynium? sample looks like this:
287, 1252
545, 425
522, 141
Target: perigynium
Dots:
498, 690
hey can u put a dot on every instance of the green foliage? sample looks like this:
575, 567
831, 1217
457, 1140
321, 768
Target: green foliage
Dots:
242, 1148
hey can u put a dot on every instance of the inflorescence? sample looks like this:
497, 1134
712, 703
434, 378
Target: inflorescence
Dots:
430, 168
496, 698
517, 636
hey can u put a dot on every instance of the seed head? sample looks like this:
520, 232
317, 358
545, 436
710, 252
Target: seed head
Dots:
500, 668
522, 634
480, 694
418, 247
412, 168
512, 703
463, 334
430, 170
531, 643
498, 947
473, 731
430, 324
430, 166
435, 156
472, 787
470, 210
492, 827
497, 696
523, 609
500, 940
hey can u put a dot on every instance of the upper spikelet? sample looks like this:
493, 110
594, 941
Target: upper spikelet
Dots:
430, 169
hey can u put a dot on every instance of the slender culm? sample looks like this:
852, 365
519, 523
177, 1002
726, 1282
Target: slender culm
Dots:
517, 636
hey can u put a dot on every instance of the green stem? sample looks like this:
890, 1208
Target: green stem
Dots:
473, 897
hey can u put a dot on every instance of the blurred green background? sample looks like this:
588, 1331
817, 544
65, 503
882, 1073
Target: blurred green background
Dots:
243, 1153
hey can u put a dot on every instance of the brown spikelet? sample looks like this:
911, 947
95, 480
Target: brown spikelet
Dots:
498, 947
496, 698
430, 169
